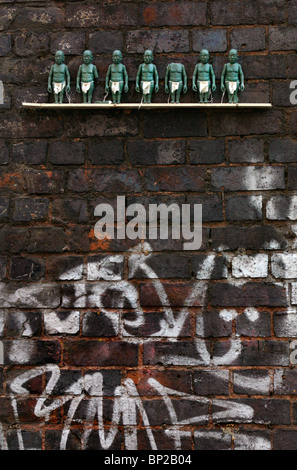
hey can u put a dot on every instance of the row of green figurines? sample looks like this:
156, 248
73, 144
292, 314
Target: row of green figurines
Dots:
147, 79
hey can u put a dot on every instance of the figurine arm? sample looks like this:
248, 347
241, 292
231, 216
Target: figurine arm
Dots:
223, 87
241, 76
213, 79
194, 79
107, 79
95, 72
138, 78
167, 79
156, 76
67, 79
126, 79
50, 78
78, 79
185, 80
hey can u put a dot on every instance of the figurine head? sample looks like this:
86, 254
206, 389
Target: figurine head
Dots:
204, 56
148, 56
233, 56
87, 57
59, 57
116, 57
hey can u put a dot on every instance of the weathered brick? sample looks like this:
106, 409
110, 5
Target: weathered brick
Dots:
256, 238
210, 266
67, 153
212, 440
251, 178
205, 152
100, 353
163, 266
4, 153
284, 265
101, 42
29, 209
29, 296
69, 210
71, 42
33, 153
160, 41
251, 294
61, 322
46, 239
32, 352
253, 440
68, 268
174, 179
177, 294
292, 177
44, 182
177, 14
251, 381
23, 324
30, 44
3, 261
285, 439
179, 124
100, 324
283, 151
4, 205
253, 323
109, 152
244, 208
250, 266
285, 324
282, 38
285, 382
246, 151
212, 207
5, 44
107, 268
223, 124
213, 40
248, 39
166, 152
214, 324
247, 12
105, 180
29, 269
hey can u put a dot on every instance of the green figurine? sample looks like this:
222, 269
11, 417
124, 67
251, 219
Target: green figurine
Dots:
175, 81
59, 78
147, 79
232, 77
86, 76
204, 80
116, 78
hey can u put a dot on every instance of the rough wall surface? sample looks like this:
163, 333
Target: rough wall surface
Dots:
122, 344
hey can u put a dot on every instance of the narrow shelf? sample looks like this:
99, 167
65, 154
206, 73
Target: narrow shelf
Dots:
146, 106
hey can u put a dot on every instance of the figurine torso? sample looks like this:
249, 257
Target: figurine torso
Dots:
116, 72
175, 72
59, 73
87, 73
232, 72
203, 72
147, 72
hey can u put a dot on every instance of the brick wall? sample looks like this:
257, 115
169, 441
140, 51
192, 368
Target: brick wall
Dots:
86, 340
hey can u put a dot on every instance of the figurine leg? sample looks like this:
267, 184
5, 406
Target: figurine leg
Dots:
61, 96
56, 95
201, 97
85, 98
172, 97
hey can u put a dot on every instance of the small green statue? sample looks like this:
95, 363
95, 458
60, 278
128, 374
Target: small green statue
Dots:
232, 77
59, 78
86, 76
147, 79
116, 78
204, 80
175, 81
